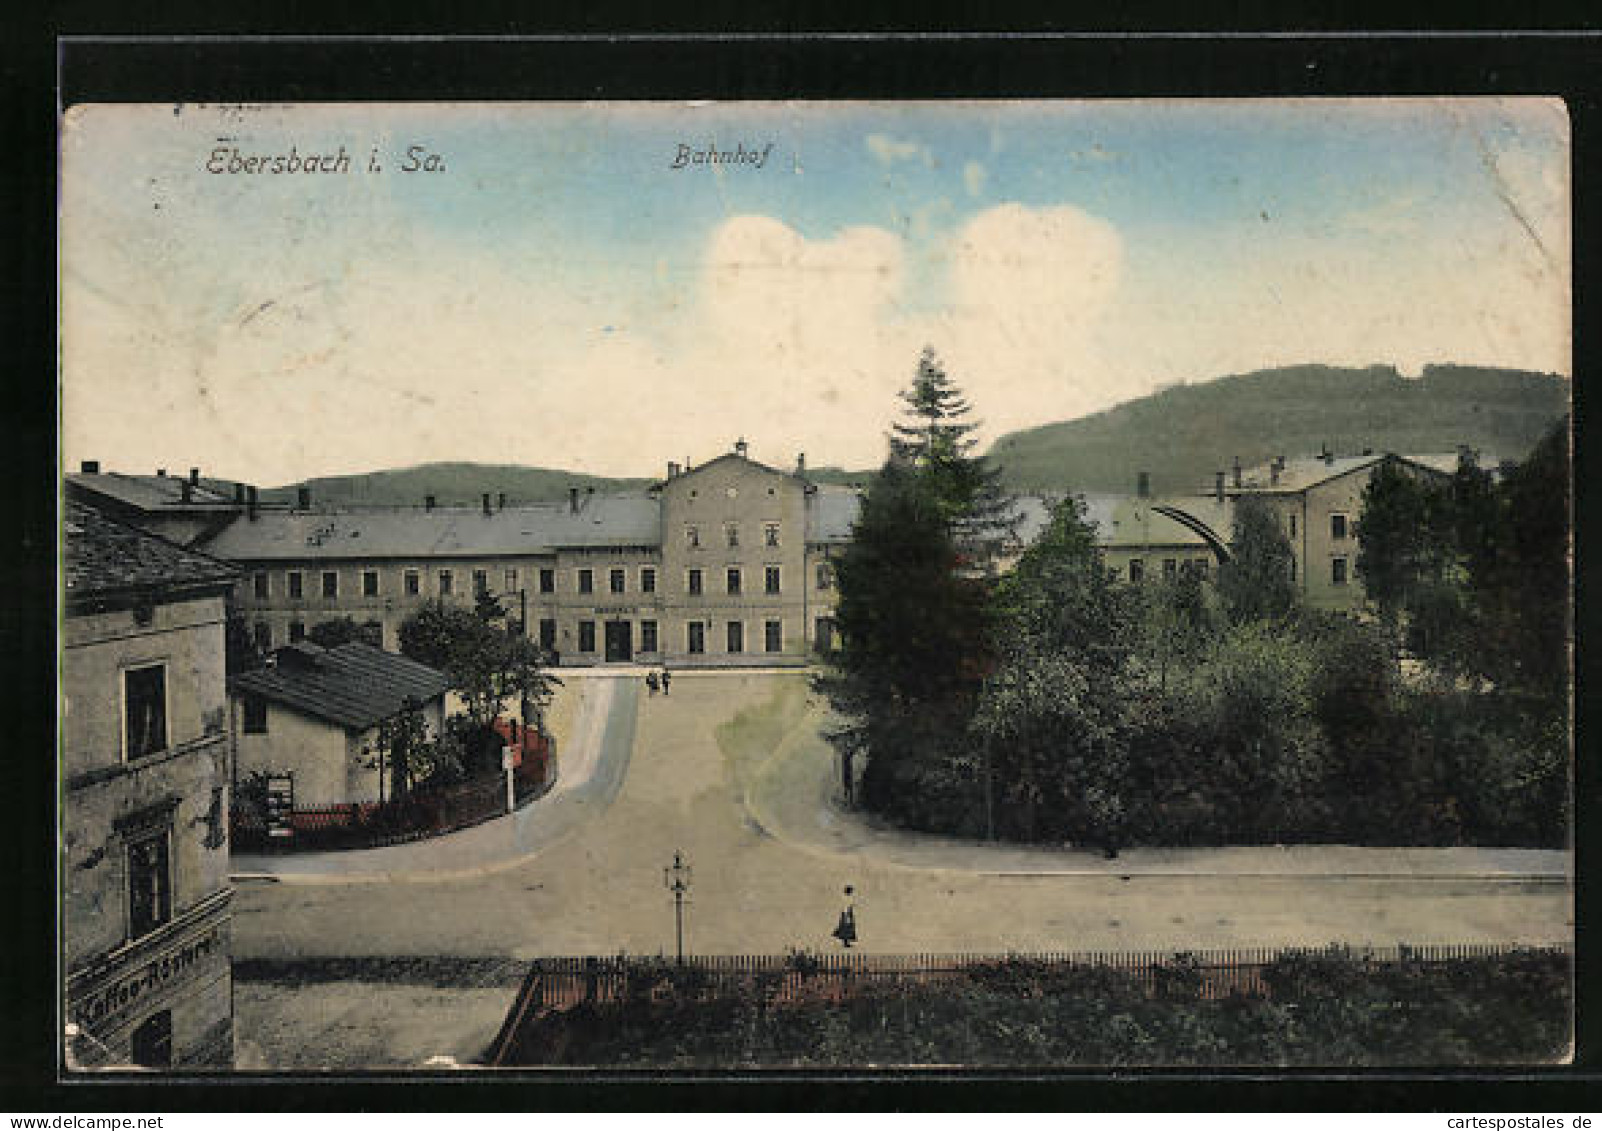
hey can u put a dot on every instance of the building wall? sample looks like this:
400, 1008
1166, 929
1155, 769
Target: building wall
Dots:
734, 493
570, 607
116, 981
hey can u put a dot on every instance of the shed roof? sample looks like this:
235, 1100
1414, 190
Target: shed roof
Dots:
104, 558
353, 685
150, 492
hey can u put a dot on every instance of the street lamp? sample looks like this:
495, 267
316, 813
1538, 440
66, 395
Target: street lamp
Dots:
677, 880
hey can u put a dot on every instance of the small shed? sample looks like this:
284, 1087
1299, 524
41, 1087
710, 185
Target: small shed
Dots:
315, 713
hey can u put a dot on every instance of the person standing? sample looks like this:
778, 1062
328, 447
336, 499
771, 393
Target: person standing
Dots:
667, 680
846, 929
650, 682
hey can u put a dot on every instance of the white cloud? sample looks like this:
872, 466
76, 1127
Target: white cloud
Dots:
888, 150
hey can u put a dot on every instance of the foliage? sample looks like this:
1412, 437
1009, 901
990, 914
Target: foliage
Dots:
1323, 1009
412, 758
333, 633
1258, 580
486, 662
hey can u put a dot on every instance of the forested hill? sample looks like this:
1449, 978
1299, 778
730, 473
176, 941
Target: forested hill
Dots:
1184, 434
451, 484
1181, 435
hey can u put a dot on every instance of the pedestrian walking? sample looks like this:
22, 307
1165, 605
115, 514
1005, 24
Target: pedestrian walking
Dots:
667, 679
650, 681
846, 930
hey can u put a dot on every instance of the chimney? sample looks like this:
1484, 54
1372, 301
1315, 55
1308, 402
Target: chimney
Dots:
1218, 485
239, 494
486, 502
91, 467
801, 463
572, 500
428, 502
1143, 484
673, 470
1273, 474
161, 473
186, 492
194, 477
253, 501
740, 447
1237, 471
500, 501
303, 498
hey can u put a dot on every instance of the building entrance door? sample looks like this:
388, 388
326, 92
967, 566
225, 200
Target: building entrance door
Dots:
619, 641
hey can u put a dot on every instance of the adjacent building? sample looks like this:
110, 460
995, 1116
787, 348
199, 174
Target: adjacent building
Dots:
313, 716
144, 778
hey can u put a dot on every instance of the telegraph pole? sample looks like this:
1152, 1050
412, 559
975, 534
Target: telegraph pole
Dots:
677, 880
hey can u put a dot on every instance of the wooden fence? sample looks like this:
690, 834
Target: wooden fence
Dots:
422, 813
560, 983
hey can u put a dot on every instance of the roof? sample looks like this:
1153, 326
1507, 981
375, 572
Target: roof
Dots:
105, 558
1135, 521
443, 532
353, 685
1309, 471
149, 492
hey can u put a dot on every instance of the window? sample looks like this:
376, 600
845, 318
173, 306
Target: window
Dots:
151, 1044
447, 583
648, 636
1200, 567
144, 692
586, 636
734, 579
330, 585
1337, 526
773, 636
480, 582
297, 589
547, 581
511, 580
586, 581
1293, 526
648, 580
1337, 571
692, 536
264, 636
548, 635
695, 637
297, 631
412, 583
770, 582
260, 580
1293, 570
823, 633
731, 534
614, 580
255, 715
736, 636
369, 583
770, 534
1170, 569
149, 883
693, 583
825, 575
1137, 569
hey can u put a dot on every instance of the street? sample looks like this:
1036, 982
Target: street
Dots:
731, 770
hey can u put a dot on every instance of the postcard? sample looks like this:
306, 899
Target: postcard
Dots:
829, 585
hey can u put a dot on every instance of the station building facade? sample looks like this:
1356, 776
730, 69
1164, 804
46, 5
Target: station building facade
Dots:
726, 564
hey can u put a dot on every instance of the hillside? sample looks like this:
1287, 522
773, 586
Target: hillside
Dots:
1183, 435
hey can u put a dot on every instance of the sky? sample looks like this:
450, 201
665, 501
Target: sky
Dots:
551, 290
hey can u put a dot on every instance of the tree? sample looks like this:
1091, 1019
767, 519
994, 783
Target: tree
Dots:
333, 633
1257, 582
938, 441
912, 643
486, 662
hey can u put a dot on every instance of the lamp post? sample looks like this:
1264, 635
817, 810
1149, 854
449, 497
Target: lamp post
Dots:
677, 880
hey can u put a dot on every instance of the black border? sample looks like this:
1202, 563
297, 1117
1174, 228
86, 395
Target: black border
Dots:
581, 59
